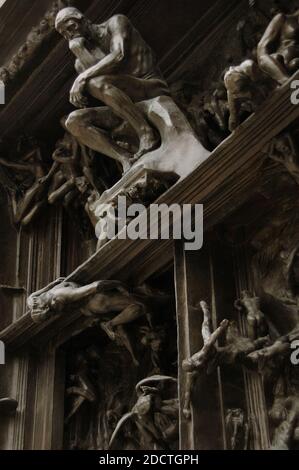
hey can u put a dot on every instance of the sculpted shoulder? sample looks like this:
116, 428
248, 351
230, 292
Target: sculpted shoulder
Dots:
119, 20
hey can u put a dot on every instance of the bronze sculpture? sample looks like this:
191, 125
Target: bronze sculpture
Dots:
237, 429
31, 203
71, 165
256, 322
146, 413
236, 351
82, 389
285, 416
283, 150
246, 90
118, 68
200, 360
100, 299
278, 50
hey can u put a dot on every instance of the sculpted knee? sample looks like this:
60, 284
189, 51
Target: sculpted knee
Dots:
263, 61
74, 122
98, 86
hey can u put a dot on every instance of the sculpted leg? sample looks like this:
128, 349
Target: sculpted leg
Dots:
28, 201
261, 356
124, 339
33, 213
118, 93
62, 191
128, 315
273, 66
189, 386
70, 197
82, 124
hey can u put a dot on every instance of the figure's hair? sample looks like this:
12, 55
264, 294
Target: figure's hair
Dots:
39, 310
66, 14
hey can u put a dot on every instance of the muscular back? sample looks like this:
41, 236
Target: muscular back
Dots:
135, 57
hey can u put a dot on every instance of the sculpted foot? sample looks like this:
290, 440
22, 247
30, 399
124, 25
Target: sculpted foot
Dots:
148, 142
187, 413
127, 163
108, 330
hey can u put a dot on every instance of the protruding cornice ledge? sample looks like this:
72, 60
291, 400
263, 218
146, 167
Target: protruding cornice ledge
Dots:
222, 183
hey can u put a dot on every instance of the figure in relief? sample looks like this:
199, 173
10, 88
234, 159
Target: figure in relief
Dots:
155, 416
27, 207
109, 301
278, 50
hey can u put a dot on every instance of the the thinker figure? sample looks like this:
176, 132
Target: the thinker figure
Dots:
116, 67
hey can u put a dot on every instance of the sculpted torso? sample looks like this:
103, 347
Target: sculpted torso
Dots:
278, 50
91, 302
117, 68
140, 60
289, 39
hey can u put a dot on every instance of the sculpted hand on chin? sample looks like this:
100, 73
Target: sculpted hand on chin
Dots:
76, 44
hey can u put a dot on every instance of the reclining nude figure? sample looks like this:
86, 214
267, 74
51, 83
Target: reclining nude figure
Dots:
116, 67
100, 299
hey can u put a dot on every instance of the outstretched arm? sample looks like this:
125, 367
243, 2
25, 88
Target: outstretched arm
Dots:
14, 165
51, 172
70, 294
48, 287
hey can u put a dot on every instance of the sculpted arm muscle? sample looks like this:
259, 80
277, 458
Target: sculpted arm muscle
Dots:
267, 62
119, 28
70, 294
271, 34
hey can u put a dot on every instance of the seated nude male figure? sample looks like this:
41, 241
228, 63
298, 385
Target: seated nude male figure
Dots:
118, 68
278, 50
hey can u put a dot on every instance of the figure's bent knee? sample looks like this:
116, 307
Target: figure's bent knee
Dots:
51, 199
263, 62
99, 86
74, 122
